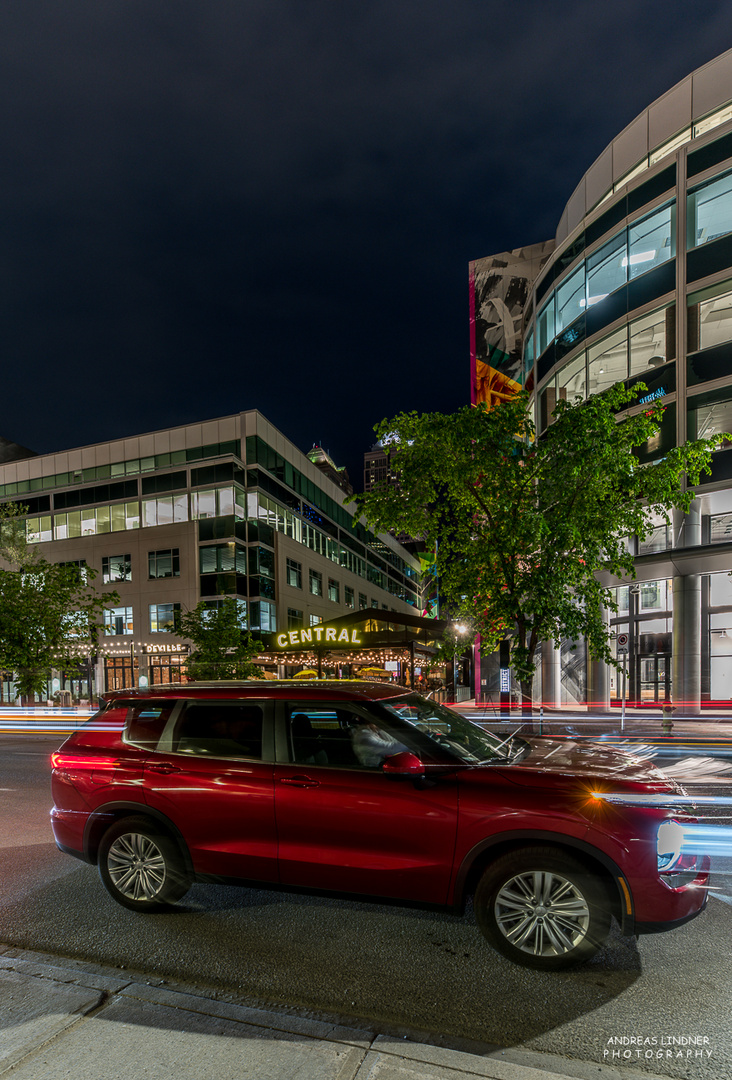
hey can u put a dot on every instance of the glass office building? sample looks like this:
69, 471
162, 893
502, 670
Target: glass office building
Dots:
228, 507
637, 286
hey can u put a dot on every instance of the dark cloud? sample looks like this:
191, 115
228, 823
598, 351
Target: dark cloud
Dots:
217, 206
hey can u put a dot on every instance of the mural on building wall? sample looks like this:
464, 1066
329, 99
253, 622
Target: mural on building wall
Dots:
500, 286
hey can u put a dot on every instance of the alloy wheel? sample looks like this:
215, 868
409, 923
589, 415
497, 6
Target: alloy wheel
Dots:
542, 913
136, 866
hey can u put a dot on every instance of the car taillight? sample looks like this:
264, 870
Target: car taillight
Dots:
67, 762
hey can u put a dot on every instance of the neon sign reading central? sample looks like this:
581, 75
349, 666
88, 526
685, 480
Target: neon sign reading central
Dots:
318, 634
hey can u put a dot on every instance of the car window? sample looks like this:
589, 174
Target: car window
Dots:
438, 728
220, 729
323, 734
146, 722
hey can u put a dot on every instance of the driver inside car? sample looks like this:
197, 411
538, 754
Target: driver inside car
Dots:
372, 745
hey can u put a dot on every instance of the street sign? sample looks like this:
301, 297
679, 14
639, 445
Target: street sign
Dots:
621, 643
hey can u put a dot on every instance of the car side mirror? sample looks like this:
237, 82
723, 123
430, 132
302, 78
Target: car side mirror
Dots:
404, 764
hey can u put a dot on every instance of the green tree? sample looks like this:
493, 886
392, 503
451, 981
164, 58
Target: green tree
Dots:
522, 525
49, 613
223, 650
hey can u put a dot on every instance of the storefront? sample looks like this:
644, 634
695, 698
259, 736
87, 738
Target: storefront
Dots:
367, 644
145, 665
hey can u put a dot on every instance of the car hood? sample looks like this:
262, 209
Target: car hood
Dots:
589, 761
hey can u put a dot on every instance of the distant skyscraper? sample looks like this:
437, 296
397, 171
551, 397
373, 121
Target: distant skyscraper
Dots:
338, 474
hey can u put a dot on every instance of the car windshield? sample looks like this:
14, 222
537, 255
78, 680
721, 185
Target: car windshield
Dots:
449, 730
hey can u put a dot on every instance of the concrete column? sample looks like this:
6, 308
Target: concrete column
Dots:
688, 527
551, 674
598, 681
686, 688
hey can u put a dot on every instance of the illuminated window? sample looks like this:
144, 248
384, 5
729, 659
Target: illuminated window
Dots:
118, 621
709, 211
162, 617
116, 568
294, 574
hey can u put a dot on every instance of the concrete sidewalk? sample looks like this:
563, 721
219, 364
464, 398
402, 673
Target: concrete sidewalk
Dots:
61, 1020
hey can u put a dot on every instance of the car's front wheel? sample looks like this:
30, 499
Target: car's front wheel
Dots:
141, 867
542, 908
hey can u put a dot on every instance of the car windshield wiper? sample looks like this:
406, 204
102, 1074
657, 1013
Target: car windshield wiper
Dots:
506, 757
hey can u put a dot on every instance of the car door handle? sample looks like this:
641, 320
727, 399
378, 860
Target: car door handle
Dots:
300, 780
164, 767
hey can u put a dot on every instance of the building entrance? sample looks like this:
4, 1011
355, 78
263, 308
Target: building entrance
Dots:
655, 678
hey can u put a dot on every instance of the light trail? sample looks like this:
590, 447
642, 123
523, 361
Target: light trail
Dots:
43, 721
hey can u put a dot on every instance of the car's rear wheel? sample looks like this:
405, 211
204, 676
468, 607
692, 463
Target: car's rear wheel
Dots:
542, 908
141, 866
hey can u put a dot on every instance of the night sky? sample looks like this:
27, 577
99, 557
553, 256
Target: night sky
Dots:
216, 205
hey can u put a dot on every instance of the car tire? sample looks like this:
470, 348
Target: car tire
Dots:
141, 866
542, 908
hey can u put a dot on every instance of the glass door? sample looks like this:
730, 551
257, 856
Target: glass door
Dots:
655, 678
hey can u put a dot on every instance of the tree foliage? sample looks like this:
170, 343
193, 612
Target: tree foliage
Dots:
521, 525
49, 612
223, 650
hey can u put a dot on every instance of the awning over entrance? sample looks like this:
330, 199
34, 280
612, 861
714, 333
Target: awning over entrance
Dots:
369, 637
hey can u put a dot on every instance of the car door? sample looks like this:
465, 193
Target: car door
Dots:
212, 776
343, 825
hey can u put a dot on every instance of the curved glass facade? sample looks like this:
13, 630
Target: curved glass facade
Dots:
639, 287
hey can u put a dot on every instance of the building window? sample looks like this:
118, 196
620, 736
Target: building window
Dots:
164, 564
263, 616
165, 510
217, 502
162, 617
294, 618
655, 596
362, 601
607, 269
261, 561
96, 520
709, 211
118, 621
651, 241
720, 528
570, 299
545, 327
648, 341
658, 540
714, 321
334, 591
572, 380
707, 418
116, 568
608, 361
294, 574
316, 583
316, 620
80, 567
220, 558
374, 603
349, 597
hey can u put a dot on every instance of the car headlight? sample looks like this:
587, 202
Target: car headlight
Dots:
669, 844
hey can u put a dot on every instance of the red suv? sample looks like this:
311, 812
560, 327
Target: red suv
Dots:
367, 790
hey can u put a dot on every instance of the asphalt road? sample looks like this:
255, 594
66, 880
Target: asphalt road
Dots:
406, 970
